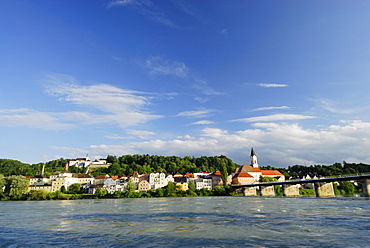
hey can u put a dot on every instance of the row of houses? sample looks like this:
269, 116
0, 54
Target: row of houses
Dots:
143, 182
246, 174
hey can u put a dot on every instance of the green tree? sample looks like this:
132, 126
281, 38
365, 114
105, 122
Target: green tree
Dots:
117, 194
159, 192
219, 191
267, 179
100, 192
2, 185
171, 189
74, 188
38, 195
16, 187
192, 188
130, 188
223, 170
347, 187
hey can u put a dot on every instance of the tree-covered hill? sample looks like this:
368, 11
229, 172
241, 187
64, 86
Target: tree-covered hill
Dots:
127, 164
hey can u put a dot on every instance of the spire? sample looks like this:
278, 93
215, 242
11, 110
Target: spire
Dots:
254, 162
253, 153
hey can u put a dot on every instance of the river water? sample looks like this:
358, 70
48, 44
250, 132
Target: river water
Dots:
187, 222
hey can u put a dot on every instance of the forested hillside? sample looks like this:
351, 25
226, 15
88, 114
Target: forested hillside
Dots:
127, 164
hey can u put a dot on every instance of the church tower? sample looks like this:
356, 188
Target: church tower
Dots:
254, 162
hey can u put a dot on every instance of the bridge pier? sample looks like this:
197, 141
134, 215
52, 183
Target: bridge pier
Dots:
267, 191
250, 191
291, 190
324, 189
366, 187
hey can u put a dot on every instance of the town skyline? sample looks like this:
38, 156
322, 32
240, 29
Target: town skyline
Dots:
186, 79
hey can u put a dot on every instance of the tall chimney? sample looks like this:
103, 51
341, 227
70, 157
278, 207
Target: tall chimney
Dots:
43, 170
66, 167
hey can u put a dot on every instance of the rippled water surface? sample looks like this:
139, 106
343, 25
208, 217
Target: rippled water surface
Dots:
187, 222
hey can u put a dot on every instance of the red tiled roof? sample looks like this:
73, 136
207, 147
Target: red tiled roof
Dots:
102, 176
243, 174
271, 173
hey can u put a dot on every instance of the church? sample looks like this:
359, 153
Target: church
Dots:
251, 173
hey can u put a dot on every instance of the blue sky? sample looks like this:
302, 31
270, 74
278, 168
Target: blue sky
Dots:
198, 78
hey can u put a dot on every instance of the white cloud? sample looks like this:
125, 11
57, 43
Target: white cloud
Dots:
278, 145
272, 85
33, 119
141, 133
116, 137
336, 108
196, 113
270, 108
145, 8
276, 117
118, 106
201, 85
102, 104
203, 122
223, 31
159, 66
120, 3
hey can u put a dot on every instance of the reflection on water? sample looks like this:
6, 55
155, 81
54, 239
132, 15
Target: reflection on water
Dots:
187, 222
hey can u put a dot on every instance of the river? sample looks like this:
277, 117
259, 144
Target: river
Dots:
187, 222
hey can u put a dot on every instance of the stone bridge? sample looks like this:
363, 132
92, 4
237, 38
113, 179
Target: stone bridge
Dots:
323, 186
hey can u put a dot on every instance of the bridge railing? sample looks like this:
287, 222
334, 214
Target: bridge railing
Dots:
304, 181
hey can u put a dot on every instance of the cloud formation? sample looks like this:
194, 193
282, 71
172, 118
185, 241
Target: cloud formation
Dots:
159, 66
278, 145
118, 106
276, 117
145, 8
196, 113
33, 119
101, 104
270, 108
203, 122
273, 85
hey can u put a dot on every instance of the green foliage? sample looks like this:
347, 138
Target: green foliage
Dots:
267, 179
170, 189
192, 189
278, 190
118, 194
74, 188
37, 195
10, 167
130, 188
127, 164
344, 188
204, 192
100, 192
335, 169
57, 195
307, 192
159, 192
220, 191
16, 187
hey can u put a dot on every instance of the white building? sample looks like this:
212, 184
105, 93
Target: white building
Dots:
157, 180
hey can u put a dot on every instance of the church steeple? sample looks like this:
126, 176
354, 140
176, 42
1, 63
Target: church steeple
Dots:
254, 162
